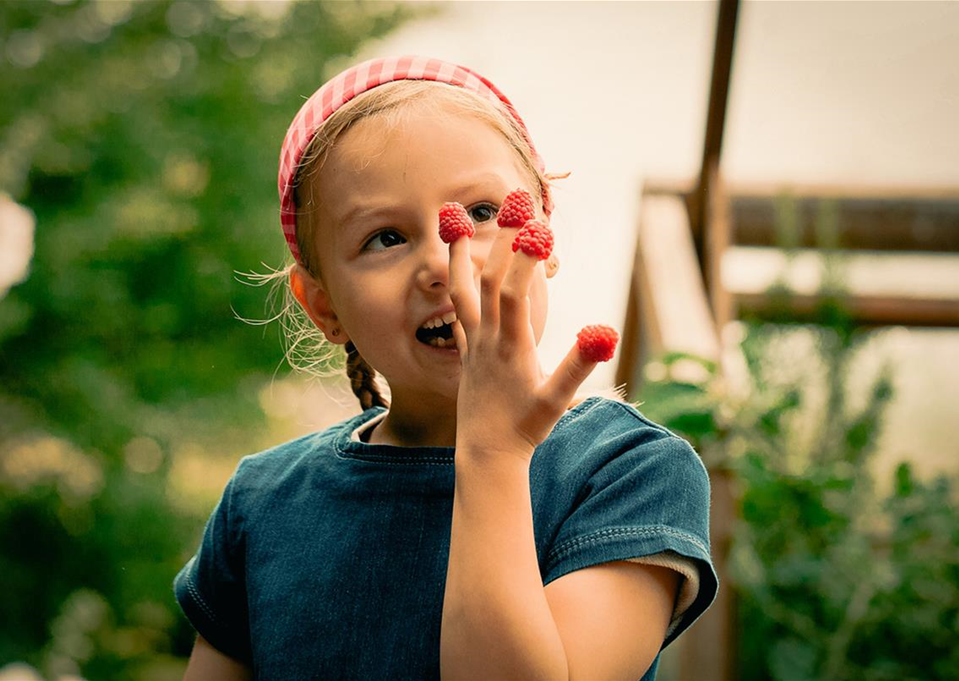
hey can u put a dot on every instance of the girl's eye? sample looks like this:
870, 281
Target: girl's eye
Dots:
483, 212
385, 239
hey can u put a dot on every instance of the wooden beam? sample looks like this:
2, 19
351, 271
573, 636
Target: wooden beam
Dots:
894, 221
862, 310
631, 345
717, 240
873, 217
672, 298
878, 288
670, 311
715, 117
710, 648
836, 191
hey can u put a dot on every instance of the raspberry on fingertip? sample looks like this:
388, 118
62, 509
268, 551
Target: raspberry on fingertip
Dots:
517, 209
597, 343
536, 239
454, 222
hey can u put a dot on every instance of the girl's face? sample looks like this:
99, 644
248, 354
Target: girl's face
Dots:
384, 268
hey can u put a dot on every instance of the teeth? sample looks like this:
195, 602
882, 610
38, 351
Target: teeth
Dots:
442, 343
448, 318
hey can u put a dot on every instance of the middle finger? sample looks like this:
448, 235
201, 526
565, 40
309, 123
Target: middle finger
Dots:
491, 279
533, 244
516, 209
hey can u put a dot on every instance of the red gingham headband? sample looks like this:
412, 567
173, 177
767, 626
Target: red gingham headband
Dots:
360, 78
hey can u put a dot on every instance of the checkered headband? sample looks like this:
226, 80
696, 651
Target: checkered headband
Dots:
358, 79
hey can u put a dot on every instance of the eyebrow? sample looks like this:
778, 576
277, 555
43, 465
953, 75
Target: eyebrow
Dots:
366, 211
363, 211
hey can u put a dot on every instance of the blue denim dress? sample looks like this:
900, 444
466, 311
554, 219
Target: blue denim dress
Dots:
326, 556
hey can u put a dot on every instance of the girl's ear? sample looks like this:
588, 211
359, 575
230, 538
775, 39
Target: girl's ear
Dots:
315, 301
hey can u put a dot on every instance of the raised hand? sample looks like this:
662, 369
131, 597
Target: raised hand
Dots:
506, 405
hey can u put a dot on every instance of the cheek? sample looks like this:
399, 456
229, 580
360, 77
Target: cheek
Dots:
361, 305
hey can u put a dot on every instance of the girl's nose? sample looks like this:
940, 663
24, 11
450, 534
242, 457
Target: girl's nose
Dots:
434, 270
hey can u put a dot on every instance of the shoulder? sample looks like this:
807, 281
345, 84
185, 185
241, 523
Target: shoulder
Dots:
287, 462
616, 424
609, 444
608, 405
617, 486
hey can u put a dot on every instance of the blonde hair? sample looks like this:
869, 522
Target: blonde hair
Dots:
390, 103
307, 348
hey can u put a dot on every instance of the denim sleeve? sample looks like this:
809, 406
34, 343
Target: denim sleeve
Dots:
647, 493
211, 587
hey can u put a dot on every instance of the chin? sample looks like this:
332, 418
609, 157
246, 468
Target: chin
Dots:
450, 389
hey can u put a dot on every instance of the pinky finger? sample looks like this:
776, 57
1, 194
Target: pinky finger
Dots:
594, 344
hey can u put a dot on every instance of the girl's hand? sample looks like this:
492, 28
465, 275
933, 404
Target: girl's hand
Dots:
506, 405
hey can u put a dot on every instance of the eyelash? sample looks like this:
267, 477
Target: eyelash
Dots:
376, 236
492, 209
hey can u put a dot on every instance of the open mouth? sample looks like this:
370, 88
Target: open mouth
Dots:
437, 337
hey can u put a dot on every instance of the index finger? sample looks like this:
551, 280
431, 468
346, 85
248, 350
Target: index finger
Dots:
462, 289
494, 271
454, 225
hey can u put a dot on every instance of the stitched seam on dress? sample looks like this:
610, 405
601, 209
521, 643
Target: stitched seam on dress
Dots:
637, 414
397, 461
391, 460
573, 413
388, 460
572, 544
199, 600
435, 461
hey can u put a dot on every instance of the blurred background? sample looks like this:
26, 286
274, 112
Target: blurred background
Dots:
764, 198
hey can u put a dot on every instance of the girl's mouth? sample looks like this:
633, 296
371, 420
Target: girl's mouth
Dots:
437, 337
442, 343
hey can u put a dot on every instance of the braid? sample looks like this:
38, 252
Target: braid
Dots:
362, 378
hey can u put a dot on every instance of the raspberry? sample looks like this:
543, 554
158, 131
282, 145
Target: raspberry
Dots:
517, 209
536, 239
454, 222
597, 343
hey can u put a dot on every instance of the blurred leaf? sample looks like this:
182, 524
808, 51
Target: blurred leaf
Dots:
833, 581
671, 358
144, 137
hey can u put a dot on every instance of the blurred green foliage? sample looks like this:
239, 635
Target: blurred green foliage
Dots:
145, 137
835, 579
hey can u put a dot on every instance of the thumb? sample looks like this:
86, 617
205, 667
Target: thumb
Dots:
594, 344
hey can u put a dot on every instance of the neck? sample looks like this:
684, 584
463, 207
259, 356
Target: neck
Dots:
417, 422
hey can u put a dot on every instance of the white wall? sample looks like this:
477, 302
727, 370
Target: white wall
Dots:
822, 92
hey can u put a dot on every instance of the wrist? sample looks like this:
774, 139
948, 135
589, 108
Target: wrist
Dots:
492, 459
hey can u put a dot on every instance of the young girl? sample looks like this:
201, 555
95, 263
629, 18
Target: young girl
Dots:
485, 523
